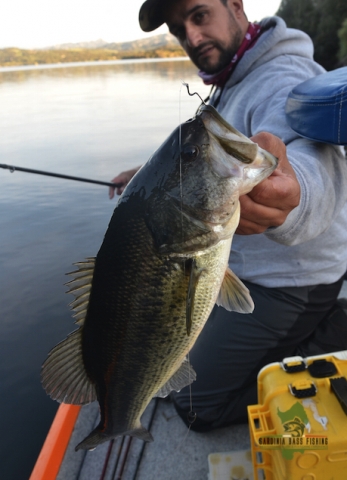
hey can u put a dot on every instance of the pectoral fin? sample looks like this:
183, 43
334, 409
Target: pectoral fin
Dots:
233, 295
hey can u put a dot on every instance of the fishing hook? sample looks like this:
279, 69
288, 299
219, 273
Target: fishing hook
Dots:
192, 94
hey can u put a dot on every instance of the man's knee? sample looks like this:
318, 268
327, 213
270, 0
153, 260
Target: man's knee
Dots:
331, 333
204, 416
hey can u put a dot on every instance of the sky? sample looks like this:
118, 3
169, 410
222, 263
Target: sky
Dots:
43, 23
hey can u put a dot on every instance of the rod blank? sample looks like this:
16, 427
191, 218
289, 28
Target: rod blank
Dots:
13, 168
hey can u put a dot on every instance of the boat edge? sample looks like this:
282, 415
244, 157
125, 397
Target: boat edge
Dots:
53, 450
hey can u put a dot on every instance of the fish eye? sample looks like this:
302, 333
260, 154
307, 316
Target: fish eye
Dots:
189, 152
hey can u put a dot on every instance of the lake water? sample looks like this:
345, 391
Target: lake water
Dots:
87, 120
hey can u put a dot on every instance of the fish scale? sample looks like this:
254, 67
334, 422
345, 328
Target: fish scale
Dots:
157, 330
152, 324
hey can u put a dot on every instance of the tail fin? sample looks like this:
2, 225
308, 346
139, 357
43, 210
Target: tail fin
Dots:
97, 437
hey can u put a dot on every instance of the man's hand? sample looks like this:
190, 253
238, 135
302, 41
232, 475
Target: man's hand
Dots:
123, 178
271, 201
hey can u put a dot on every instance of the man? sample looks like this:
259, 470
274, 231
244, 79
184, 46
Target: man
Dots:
290, 244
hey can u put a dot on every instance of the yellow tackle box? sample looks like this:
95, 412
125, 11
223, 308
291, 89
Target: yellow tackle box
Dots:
298, 430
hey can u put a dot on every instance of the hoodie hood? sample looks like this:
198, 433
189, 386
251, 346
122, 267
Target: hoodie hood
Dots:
275, 40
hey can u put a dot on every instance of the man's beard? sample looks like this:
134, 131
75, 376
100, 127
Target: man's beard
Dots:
226, 53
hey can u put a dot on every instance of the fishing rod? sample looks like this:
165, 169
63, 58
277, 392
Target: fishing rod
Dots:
13, 168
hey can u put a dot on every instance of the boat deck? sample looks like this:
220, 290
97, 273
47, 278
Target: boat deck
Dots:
175, 452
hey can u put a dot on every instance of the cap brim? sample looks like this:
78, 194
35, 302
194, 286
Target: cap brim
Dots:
151, 15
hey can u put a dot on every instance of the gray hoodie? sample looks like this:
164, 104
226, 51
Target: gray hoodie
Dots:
310, 248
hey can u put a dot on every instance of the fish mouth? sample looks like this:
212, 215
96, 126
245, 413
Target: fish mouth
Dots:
234, 154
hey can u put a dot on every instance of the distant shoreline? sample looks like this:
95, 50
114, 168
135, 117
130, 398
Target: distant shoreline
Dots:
45, 66
160, 46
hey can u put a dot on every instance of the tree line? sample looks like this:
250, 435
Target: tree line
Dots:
325, 21
16, 56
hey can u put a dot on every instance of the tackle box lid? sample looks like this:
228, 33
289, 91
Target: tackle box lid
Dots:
298, 429
293, 361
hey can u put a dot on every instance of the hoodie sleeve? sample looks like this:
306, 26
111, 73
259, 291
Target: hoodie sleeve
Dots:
321, 169
322, 174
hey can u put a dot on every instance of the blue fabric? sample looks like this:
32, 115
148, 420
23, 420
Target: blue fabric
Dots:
317, 108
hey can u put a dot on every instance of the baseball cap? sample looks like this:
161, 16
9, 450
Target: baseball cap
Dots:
151, 15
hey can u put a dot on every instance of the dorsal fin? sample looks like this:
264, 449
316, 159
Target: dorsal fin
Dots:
80, 286
63, 374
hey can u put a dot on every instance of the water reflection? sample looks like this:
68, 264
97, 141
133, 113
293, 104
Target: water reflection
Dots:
169, 68
84, 121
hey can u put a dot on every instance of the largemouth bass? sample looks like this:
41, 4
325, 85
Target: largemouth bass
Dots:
142, 302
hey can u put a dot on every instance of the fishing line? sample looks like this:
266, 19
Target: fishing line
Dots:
191, 416
210, 94
180, 150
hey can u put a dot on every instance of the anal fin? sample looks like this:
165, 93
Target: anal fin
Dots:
184, 376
